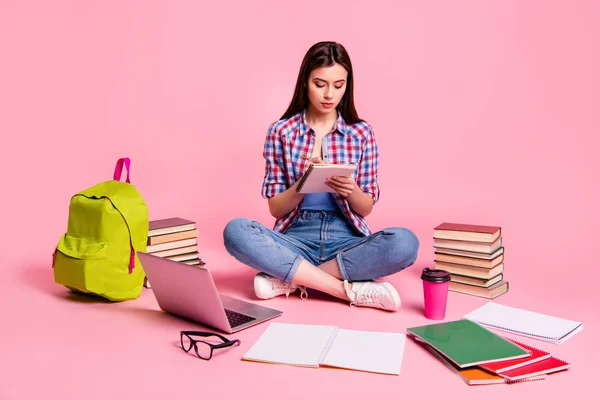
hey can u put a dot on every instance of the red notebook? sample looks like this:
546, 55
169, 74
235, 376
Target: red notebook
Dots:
546, 366
502, 366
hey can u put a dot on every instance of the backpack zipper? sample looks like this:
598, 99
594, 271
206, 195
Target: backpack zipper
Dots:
132, 252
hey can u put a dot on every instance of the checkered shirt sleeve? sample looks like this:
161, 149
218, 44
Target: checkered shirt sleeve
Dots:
368, 167
274, 181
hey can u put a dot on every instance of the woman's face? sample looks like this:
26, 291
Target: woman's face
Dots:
326, 87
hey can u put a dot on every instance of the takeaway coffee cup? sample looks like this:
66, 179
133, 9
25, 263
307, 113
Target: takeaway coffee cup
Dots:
435, 292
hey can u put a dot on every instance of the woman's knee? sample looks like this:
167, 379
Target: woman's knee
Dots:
404, 246
235, 230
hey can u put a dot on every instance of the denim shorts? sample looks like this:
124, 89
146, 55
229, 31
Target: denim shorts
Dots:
319, 236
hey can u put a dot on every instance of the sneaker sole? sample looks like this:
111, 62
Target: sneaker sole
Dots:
257, 284
394, 294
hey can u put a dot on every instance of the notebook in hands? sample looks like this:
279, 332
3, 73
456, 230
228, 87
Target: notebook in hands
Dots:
190, 292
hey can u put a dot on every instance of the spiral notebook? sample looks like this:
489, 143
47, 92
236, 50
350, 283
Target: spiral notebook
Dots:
503, 366
525, 323
475, 375
544, 367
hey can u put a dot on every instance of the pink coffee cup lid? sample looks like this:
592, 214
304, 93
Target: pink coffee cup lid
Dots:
435, 275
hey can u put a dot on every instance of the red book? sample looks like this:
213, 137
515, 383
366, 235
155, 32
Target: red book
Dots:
502, 366
546, 366
465, 232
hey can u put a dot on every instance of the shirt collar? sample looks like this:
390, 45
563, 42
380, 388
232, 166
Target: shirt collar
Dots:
339, 125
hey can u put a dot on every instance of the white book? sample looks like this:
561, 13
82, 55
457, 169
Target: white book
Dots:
323, 345
525, 323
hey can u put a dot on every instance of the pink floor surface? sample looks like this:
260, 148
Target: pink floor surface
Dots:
59, 345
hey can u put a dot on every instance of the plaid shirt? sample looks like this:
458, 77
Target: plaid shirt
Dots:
289, 139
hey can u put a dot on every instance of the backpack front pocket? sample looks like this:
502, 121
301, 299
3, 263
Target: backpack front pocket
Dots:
79, 262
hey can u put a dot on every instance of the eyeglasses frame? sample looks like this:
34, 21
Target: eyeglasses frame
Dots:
226, 342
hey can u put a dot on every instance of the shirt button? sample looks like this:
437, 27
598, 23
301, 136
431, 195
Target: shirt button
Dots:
325, 156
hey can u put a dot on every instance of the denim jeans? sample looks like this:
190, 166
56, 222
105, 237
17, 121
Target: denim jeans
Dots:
319, 236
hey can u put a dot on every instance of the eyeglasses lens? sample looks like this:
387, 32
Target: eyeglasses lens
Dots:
204, 349
186, 343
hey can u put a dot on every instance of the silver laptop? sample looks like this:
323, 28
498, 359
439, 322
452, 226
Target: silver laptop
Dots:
189, 291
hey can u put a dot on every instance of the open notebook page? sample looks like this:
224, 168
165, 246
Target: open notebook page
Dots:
523, 322
380, 352
294, 344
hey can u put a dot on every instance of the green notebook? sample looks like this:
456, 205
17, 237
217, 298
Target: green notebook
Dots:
465, 343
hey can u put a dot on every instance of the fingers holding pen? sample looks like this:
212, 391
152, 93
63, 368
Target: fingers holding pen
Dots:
314, 160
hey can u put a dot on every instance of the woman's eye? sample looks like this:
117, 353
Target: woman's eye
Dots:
339, 87
320, 86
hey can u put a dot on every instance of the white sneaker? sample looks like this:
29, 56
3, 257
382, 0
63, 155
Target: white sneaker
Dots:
267, 287
373, 294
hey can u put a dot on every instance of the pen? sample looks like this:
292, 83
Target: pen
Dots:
306, 158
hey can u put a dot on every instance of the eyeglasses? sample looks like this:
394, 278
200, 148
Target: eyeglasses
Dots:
204, 349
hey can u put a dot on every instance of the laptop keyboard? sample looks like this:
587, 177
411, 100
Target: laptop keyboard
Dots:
237, 319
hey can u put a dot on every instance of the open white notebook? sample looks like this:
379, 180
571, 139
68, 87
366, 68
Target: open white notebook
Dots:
525, 323
322, 345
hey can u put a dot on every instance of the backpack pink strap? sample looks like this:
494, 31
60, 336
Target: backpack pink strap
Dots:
131, 260
119, 169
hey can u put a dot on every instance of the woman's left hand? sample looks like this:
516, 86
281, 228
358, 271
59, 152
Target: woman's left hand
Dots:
343, 185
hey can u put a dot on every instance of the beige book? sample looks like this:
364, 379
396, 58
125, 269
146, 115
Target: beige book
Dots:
184, 257
479, 247
476, 281
172, 237
471, 254
473, 262
467, 232
169, 225
466, 270
489, 293
173, 252
195, 261
170, 245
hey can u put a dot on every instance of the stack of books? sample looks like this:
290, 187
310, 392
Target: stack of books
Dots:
481, 357
174, 238
474, 257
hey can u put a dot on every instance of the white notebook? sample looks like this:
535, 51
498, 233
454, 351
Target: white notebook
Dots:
313, 180
525, 323
322, 345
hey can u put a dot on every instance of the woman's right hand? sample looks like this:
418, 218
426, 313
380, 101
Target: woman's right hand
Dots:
309, 161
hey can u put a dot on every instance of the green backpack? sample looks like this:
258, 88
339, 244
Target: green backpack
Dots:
108, 225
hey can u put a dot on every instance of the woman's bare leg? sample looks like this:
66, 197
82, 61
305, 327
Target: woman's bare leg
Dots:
332, 268
315, 278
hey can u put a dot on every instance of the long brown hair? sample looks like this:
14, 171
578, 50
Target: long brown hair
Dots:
324, 54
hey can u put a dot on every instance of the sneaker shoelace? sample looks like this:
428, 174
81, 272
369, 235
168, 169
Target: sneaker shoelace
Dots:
280, 286
369, 294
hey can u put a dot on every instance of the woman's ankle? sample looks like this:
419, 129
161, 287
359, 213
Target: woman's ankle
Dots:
348, 291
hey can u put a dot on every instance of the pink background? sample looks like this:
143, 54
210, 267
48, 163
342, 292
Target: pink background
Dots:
485, 113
